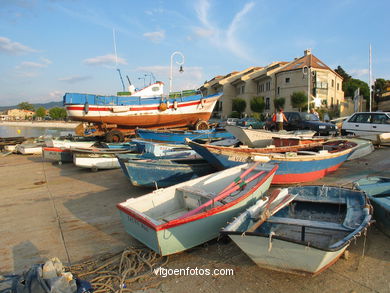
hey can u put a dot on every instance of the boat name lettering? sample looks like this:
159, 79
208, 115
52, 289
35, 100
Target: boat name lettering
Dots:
134, 221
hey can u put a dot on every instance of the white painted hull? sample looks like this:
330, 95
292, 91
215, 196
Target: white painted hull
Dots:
30, 150
98, 163
67, 144
10, 148
260, 138
286, 256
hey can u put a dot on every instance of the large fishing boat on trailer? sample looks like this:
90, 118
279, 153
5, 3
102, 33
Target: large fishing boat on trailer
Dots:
116, 116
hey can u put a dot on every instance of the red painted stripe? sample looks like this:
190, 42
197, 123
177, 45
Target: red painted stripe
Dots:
304, 177
59, 150
195, 217
81, 108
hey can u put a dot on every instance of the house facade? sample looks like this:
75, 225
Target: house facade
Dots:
278, 80
18, 114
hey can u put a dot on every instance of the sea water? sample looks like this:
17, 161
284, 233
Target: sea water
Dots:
11, 131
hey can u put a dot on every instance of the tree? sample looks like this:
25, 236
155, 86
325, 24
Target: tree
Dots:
298, 100
57, 113
26, 106
257, 105
40, 112
279, 103
343, 73
239, 105
352, 84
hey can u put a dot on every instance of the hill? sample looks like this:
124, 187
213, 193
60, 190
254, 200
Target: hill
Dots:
48, 105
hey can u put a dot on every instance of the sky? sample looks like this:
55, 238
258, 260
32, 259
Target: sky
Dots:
48, 48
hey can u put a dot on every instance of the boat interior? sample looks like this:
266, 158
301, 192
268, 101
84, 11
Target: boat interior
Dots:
318, 217
166, 204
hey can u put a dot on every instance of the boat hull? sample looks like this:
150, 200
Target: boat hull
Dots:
57, 154
300, 259
183, 234
107, 162
146, 113
163, 173
291, 169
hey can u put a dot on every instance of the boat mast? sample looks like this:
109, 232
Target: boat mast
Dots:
116, 61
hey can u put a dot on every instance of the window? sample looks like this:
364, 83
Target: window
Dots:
267, 103
240, 89
331, 101
332, 82
287, 80
260, 88
278, 90
361, 118
268, 86
380, 119
338, 86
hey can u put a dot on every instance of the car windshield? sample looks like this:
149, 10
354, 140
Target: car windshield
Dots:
309, 117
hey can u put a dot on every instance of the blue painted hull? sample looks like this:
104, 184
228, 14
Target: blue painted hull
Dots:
179, 137
291, 169
376, 189
163, 173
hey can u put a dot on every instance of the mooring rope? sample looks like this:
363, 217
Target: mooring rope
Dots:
119, 272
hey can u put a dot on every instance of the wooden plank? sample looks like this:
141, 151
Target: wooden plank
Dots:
308, 223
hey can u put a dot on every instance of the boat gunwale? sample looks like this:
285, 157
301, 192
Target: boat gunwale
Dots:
198, 216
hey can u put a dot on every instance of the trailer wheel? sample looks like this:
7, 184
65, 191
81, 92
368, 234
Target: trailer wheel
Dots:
114, 136
201, 125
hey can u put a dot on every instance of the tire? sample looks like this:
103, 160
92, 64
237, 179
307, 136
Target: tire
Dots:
201, 125
114, 136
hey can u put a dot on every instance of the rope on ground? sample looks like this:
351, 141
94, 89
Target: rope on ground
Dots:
131, 270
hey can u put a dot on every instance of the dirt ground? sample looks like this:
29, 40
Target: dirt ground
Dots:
49, 210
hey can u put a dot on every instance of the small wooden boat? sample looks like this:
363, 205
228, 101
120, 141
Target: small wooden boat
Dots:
306, 236
364, 147
384, 138
173, 219
179, 136
69, 141
297, 164
260, 138
96, 158
120, 145
163, 149
378, 191
29, 148
158, 172
60, 155
7, 141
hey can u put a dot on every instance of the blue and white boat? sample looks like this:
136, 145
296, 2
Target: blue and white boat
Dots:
378, 191
297, 164
308, 235
160, 172
173, 219
163, 149
179, 136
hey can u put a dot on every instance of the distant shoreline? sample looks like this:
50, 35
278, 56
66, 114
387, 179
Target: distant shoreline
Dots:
46, 124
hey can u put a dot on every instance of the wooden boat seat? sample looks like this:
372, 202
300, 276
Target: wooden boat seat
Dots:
197, 191
309, 223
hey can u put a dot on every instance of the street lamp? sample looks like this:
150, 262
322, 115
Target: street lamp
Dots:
178, 63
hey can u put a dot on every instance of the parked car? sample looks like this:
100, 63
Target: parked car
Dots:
303, 121
229, 121
366, 124
250, 122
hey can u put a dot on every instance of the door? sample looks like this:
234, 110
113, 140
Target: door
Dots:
359, 124
380, 123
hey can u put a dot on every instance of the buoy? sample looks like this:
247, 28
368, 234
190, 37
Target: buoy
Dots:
163, 107
18, 131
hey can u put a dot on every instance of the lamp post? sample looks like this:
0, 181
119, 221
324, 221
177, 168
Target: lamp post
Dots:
306, 71
178, 63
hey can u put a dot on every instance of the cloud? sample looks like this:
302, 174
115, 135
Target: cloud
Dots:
14, 48
223, 38
191, 78
106, 60
358, 72
56, 94
155, 37
74, 79
30, 64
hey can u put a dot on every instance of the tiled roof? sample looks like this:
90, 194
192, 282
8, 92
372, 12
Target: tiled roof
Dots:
308, 60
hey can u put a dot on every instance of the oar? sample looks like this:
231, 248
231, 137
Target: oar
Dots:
221, 195
268, 213
239, 178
